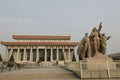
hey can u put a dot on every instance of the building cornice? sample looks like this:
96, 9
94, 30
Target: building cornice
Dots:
39, 43
35, 37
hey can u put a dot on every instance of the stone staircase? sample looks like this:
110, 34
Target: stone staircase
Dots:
55, 73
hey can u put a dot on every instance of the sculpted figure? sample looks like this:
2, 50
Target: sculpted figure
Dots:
84, 49
79, 52
94, 44
87, 47
95, 38
80, 49
103, 43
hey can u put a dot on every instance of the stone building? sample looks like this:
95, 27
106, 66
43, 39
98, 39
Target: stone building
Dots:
31, 49
115, 56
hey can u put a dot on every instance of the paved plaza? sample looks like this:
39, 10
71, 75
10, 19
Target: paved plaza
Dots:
39, 74
54, 73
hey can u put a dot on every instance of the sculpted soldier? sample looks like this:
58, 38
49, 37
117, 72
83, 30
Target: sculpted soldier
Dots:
95, 39
103, 43
86, 47
94, 44
80, 49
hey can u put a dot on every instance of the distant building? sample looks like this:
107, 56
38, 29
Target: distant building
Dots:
30, 49
115, 56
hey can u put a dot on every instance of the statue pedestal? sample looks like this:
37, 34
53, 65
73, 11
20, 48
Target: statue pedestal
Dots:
98, 62
99, 56
99, 66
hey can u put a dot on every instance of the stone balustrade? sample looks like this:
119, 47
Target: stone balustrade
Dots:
95, 69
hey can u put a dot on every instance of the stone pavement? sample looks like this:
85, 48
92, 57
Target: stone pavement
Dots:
101, 79
39, 74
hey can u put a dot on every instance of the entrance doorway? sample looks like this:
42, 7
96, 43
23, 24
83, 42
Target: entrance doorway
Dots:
41, 54
48, 54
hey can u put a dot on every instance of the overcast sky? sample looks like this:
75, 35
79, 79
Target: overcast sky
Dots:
60, 17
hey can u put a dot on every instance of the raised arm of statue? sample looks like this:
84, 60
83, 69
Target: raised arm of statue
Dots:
109, 37
100, 27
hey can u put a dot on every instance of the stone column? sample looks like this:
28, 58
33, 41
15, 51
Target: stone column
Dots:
45, 55
64, 53
37, 57
18, 50
6, 54
57, 54
31, 54
69, 54
51, 54
10, 54
25, 57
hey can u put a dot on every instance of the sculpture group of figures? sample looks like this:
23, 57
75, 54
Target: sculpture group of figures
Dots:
92, 44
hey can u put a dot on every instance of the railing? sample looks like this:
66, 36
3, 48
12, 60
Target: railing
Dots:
95, 69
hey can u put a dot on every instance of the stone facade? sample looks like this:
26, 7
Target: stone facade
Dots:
31, 49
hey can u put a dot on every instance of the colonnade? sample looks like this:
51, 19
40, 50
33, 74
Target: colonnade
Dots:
38, 53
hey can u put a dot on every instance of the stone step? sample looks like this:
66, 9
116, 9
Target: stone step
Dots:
39, 76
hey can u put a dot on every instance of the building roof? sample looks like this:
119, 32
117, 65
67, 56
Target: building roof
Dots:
34, 37
40, 43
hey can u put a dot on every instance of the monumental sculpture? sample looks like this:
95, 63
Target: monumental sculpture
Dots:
93, 44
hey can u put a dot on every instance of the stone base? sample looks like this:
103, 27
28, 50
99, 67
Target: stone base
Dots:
46, 64
98, 66
61, 63
99, 56
98, 62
